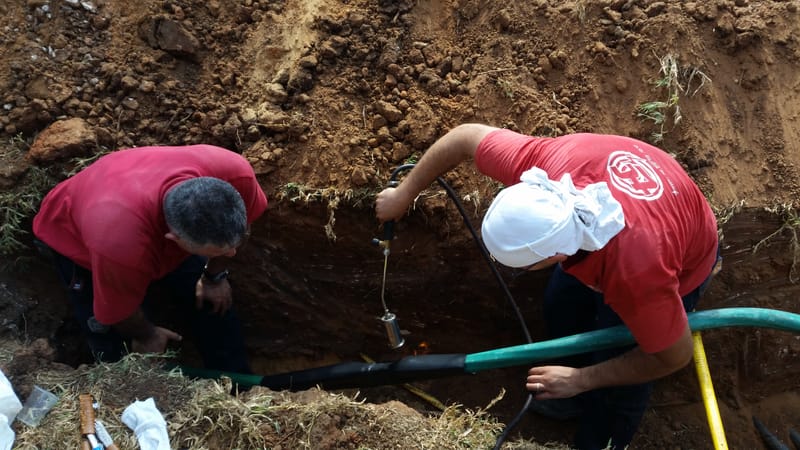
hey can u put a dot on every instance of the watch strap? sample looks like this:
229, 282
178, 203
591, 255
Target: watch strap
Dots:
215, 278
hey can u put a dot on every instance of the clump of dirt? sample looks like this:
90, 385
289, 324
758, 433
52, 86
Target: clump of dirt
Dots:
325, 98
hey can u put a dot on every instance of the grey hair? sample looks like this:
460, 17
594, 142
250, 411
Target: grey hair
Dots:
206, 211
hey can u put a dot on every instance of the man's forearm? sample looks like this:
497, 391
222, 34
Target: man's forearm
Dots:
136, 326
447, 152
636, 366
632, 367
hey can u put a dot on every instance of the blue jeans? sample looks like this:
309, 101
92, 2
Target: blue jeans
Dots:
611, 415
218, 338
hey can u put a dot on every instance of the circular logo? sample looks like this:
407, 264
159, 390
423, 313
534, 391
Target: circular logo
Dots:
634, 176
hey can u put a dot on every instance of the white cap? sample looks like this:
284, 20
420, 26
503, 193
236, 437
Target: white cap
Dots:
539, 218
526, 224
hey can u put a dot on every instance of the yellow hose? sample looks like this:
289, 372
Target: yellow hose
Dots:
435, 402
707, 389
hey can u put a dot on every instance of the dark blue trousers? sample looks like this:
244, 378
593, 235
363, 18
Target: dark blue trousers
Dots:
218, 338
612, 414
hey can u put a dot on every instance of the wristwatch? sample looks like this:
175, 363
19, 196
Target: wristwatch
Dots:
215, 278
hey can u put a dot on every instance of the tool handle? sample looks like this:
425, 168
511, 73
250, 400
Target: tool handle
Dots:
388, 226
87, 413
388, 230
104, 436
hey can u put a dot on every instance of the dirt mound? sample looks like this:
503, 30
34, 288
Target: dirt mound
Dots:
325, 98
204, 415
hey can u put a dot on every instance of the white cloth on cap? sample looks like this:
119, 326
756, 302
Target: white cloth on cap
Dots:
538, 218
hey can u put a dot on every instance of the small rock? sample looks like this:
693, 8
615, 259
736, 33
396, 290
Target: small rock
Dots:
63, 139
388, 111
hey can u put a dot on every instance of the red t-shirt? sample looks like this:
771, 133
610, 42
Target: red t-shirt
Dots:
669, 242
109, 217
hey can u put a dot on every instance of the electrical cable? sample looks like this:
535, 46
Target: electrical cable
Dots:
453, 196
487, 257
511, 425
451, 193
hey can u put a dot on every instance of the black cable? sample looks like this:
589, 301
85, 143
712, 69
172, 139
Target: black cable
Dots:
510, 426
487, 257
770, 440
450, 193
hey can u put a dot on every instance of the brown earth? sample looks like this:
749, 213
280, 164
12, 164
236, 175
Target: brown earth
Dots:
326, 98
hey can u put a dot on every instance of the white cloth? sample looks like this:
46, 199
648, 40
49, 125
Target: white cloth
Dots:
7, 435
9, 402
538, 218
147, 424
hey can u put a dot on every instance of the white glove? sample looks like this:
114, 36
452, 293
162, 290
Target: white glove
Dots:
147, 424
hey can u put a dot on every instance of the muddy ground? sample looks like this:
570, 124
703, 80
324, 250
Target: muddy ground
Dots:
325, 98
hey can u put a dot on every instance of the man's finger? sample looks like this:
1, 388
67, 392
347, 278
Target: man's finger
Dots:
173, 336
198, 295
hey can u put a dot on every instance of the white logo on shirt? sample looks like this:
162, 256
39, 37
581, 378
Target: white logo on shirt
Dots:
634, 176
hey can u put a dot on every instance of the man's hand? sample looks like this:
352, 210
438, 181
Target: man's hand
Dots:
217, 295
548, 382
390, 205
631, 367
458, 145
156, 342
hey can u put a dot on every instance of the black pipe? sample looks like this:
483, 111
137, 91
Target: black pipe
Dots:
354, 375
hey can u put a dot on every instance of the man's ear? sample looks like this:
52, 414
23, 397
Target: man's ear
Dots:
560, 257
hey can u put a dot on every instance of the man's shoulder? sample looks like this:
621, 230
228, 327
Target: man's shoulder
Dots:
190, 148
200, 156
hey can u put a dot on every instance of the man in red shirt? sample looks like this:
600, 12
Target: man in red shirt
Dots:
147, 220
632, 239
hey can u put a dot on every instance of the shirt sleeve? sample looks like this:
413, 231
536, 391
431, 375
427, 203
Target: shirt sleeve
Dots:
255, 200
257, 204
505, 154
643, 290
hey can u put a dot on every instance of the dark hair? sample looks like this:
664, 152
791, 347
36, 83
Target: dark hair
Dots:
205, 211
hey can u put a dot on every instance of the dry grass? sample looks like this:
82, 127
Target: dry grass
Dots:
203, 415
790, 223
676, 82
332, 197
19, 202
724, 214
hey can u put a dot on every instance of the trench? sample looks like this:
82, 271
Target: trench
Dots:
309, 301
317, 302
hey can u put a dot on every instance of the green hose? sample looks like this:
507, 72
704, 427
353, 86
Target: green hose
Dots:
619, 336
351, 374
